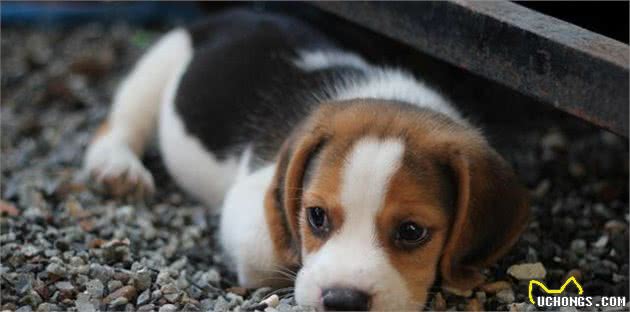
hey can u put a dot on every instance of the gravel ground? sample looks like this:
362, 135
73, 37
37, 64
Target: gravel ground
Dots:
66, 247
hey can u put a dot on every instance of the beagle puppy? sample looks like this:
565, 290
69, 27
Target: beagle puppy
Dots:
359, 178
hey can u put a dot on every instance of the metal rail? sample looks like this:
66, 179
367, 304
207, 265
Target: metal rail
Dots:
575, 70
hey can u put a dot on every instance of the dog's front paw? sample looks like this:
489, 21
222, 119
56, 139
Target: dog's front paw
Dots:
117, 170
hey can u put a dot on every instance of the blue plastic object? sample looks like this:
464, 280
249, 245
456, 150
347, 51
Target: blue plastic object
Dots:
69, 13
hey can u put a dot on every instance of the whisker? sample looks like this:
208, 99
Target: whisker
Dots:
281, 292
288, 275
286, 269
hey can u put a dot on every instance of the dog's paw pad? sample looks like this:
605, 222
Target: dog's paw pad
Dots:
117, 170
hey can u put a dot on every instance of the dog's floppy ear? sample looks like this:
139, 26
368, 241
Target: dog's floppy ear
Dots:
284, 197
491, 211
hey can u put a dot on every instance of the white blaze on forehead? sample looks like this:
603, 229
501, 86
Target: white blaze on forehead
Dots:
352, 257
366, 174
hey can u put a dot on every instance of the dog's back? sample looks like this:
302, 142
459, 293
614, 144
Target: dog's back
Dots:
236, 80
242, 86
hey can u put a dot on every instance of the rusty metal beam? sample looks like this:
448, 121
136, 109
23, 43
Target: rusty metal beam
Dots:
571, 68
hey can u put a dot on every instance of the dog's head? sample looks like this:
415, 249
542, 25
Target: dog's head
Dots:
373, 200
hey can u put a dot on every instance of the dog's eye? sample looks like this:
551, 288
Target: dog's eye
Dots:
410, 234
318, 220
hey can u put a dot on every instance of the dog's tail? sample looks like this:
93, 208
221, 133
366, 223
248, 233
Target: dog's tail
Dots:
113, 156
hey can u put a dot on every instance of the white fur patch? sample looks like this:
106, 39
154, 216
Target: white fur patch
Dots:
366, 176
352, 257
137, 101
244, 233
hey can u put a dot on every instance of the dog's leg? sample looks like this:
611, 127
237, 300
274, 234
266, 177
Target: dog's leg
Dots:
113, 156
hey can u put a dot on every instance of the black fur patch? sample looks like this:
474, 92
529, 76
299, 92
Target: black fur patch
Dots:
241, 86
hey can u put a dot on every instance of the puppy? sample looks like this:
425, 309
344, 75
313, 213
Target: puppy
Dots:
361, 179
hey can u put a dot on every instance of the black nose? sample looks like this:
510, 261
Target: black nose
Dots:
345, 299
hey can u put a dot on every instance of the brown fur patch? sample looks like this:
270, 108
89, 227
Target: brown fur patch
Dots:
323, 191
492, 211
285, 246
415, 199
283, 200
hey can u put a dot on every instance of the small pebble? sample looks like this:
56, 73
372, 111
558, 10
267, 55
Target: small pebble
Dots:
517, 307
168, 308
31, 251
190, 307
207, 304
221, 305
23, 284
457, 291
506, 296
142, 279
118, 302
554, 140
601, 242
615, 226
617, 278
272, 301
578, 246
83, 304
95, 288
527, 271
113, 285
103, 273
541, 190
234, 299
32, 299
127, 292
147, 308
144, 297
170, 292
49, 307
163, 278
156, 294
64, 286
24, 309
56, 269
179, 264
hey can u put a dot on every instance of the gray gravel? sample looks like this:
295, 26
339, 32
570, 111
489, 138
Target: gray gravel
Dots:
66, 247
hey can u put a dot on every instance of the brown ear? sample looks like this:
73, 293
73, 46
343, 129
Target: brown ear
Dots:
283, 199
492, 210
